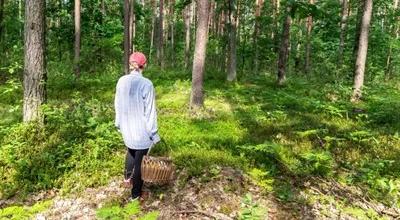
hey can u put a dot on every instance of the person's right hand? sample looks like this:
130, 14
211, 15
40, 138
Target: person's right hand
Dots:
127, 183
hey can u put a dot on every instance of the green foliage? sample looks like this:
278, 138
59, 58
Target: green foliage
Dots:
130, 210
262, 179
251, 210
302, 163
20, 212
197, 160
375, 175
299, 130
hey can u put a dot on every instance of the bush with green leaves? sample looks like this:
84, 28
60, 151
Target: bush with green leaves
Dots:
130, 210
24, 212
380, 184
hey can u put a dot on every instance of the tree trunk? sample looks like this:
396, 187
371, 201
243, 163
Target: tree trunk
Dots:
275, 31
257, 15
35, 77
232, 42
58, 26
362, 51
284, 48
187, 35
132, 25
307, 63
153, 27
1, 19
343, 27
395, 35
126, 36
297, 48
196, 99
77, 47
360, 8
160, 45
21, 9
172, 30
103, 9
211, 16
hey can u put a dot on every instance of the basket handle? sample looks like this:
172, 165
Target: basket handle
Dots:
162, 141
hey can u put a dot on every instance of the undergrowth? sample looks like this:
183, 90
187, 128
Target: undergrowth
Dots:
306, 128
129, 211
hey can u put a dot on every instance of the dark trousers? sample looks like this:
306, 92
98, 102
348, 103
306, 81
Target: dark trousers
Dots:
133, 164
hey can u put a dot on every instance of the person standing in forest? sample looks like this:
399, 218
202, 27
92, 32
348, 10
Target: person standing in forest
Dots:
136, 119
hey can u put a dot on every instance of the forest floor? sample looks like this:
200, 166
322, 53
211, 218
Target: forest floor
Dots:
257, 150
228, 194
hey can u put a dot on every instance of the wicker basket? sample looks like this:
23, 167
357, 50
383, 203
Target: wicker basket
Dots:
157, 170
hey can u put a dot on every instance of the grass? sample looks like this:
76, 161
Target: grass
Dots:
306, 128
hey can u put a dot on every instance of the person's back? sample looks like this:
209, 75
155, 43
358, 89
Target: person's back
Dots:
135, 107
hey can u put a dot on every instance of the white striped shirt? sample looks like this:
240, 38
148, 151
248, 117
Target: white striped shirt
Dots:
135, 111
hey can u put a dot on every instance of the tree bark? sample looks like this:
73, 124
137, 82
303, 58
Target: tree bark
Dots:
362, 51
126, 36
35, 77
307, 63
187, 35
275, 31
395, 35
360, 8
232, 42
257, 15
211, 17
284, 48
160, 45
1, 19
196, 99
172, 30
343, 28
153, 27
77, 47
132, 25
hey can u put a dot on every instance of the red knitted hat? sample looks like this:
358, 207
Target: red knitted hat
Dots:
139, 58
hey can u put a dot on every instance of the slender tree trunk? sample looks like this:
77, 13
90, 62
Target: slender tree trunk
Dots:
153, 27
232, 42
20, 19
58, 26
284, 48
307, 63
238, 14
197, 99
297, 48
362, 51
126, 36
77, 47
187, 35
395, 35
1, 19
103, 17
172, 29
360, 8
160, 45
343, 28
275, 31
103, 8
257, 15
132, 25
211, 16
35, 77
